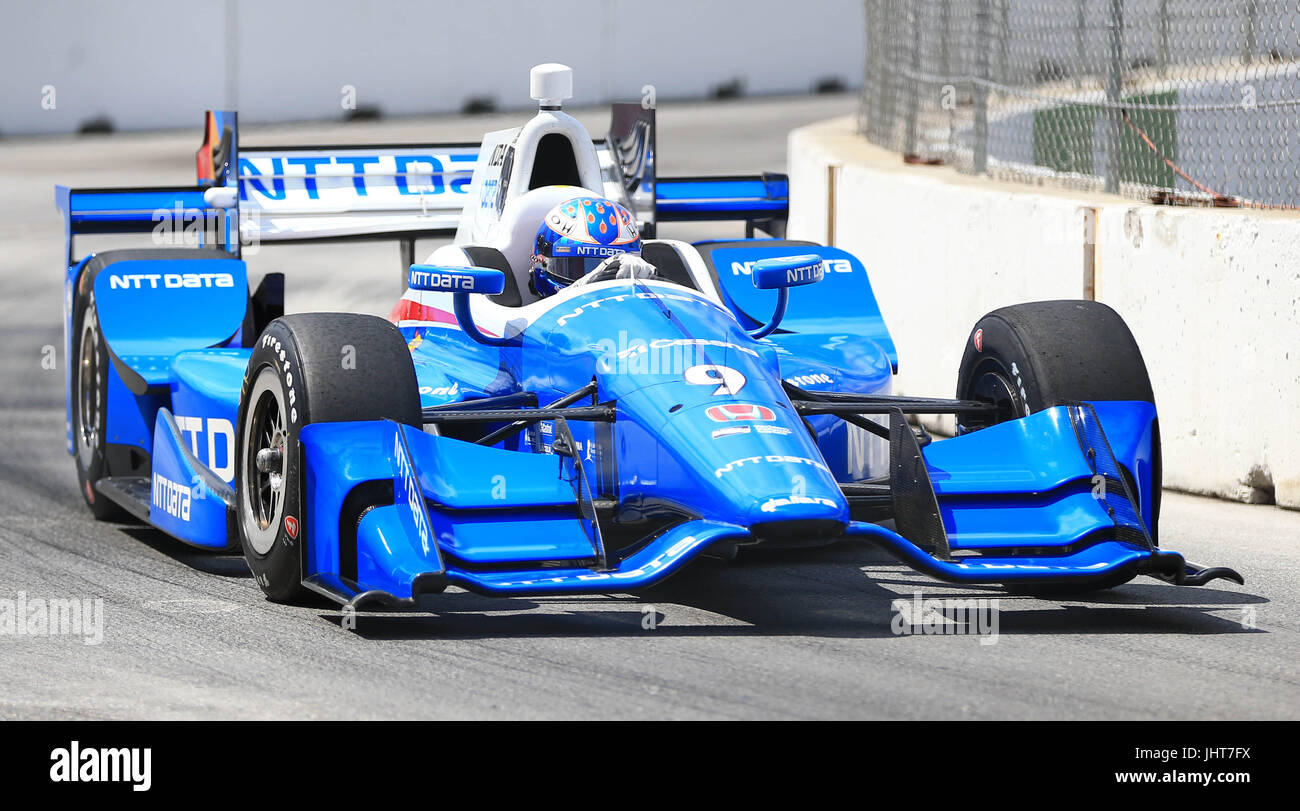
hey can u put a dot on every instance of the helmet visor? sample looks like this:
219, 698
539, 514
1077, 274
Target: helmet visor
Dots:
569, 269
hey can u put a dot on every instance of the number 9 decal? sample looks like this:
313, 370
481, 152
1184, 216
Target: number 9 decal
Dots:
728, 380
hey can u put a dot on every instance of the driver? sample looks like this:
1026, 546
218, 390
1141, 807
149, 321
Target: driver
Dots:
576, 237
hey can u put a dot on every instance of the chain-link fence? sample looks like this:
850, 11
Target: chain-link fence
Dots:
1178, 101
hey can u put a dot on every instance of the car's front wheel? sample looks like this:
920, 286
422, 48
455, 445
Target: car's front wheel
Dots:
1033, 356
315, 367
1028, 357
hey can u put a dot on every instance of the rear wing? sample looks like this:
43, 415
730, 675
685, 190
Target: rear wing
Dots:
173, 214
247, 195
321, 192
760, 201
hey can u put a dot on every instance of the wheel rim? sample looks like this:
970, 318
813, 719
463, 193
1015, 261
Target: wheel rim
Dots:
265, 462
992, 384
88, 385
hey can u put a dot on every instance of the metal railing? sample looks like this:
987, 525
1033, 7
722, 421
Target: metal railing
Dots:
1175, 101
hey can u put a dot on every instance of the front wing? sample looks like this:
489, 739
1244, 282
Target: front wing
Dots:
393, 512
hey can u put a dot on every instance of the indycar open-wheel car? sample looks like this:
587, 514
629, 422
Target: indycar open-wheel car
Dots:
729, 393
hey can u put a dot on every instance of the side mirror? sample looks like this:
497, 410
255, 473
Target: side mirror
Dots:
780, 274
460, 282
787, 271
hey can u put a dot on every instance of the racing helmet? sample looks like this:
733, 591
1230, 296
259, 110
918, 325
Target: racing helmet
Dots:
577, 236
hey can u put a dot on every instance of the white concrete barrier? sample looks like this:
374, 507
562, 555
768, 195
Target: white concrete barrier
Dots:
1212, 295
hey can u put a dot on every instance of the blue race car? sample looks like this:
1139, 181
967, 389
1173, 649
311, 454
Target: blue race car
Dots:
562, 403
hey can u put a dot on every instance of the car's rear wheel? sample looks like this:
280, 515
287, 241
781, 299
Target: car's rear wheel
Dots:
316, 367
89, 394
1029, 357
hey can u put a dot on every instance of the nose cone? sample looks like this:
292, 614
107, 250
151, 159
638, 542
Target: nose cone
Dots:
746, 463
763, 470
703, 422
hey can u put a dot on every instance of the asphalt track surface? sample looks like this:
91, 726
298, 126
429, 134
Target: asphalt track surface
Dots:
781, 635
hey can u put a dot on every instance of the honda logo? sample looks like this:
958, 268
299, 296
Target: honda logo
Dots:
733, 413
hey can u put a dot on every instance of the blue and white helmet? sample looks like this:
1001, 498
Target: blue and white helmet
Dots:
578, 235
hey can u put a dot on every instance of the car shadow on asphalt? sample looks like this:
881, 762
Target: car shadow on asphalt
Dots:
843, 591
221, 564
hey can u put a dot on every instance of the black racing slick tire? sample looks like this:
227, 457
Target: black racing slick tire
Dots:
89, 397
1028, 357
307, 368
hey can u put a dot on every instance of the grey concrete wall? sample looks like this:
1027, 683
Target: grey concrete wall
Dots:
154, 64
